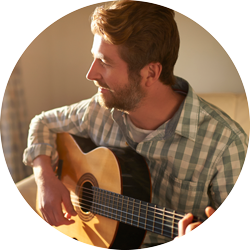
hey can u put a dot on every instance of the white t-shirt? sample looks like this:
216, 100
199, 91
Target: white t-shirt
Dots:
137, 134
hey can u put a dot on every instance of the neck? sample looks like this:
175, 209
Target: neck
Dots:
157, 107
140, 214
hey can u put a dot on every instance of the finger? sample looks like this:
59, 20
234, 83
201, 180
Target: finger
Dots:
209, 211
44, 217
67, 216
48, 216
183, 223
68, 204
192, 226
60, 217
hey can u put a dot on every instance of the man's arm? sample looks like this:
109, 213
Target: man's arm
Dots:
41, 154
44, 127
52, 194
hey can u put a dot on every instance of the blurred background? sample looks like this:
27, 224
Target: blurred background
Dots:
51, 73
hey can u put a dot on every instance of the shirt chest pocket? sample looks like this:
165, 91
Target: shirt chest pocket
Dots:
184, 196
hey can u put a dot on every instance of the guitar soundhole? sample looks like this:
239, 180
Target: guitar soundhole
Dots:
87, 197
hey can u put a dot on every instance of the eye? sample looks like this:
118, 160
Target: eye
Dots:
103, 63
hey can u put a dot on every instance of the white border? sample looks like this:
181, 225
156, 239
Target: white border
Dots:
22, 21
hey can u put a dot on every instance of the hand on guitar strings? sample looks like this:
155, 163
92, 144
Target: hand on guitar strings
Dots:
52, 194
185, 225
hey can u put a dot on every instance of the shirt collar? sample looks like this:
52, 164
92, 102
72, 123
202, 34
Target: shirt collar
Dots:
189, 117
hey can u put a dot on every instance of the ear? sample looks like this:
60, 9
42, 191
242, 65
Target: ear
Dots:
151, 73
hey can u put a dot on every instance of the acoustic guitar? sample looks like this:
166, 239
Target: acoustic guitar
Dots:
110, 189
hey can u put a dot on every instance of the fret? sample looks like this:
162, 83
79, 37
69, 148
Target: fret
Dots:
172, 231
169, 228
132, 212
157, 220
136, 212
150, 218
138, 222
116, 209
153, 229
146, 215
101, 203
108, 194
127, 210
168, 223
163, 215
113, 199
122, 208
143, 214
105, 204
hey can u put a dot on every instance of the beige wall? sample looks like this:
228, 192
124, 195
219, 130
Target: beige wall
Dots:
56, 62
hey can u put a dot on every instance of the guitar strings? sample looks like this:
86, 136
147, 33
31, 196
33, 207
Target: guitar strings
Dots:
121, 211
124, 219
81, 205
91, 191
165, 212
155, 222
163, 216
170, 232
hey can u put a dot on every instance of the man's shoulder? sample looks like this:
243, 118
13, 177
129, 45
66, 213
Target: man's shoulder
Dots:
217, 120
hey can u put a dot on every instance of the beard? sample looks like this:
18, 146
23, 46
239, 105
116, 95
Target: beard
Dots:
124, 99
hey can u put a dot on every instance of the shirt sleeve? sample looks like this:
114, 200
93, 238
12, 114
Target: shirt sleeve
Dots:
227, 171
44, 127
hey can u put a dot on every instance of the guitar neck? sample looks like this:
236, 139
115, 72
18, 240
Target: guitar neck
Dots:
135, 212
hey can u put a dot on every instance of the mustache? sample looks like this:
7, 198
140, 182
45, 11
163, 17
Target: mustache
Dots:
101, 85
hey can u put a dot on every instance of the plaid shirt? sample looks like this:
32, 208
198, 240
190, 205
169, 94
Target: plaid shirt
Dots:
194, 159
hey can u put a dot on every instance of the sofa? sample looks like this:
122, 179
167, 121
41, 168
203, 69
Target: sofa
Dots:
235, 105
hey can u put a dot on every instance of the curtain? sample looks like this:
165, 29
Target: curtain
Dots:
14, 126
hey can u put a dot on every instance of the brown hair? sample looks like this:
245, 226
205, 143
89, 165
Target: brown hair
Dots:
146, 32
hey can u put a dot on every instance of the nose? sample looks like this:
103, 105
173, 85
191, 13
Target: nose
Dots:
93, 73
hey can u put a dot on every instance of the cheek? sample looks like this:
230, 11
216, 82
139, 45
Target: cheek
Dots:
115, 77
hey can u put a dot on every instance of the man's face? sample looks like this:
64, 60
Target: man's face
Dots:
110, 74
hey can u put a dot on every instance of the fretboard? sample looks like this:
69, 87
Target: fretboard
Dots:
136, 213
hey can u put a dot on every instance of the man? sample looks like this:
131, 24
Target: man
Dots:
194, 151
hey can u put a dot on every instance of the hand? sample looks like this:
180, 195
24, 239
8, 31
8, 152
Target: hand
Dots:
185, 225
52, 194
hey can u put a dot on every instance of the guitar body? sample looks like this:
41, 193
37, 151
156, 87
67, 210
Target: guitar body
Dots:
121, 171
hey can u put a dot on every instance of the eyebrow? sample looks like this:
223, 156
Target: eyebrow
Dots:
102, 57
